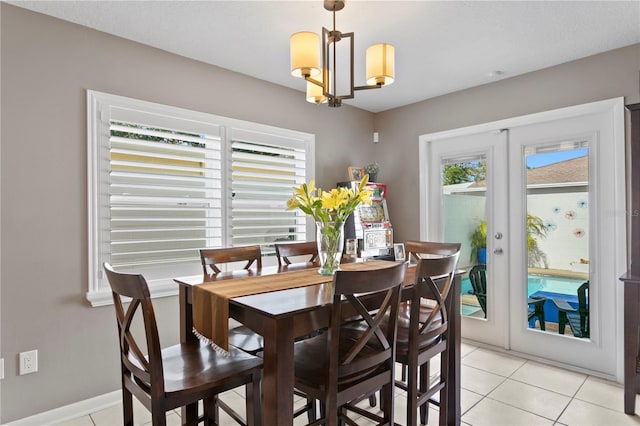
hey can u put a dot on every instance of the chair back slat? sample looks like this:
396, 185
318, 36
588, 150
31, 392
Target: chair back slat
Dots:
370, 296
415, 249
286, 250
434, 280
211, 258
145, 369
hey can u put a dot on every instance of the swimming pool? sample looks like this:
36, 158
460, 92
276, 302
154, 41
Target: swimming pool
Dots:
549, 286
553, 284
546, 283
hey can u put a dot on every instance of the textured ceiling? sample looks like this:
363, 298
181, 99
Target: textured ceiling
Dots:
441, 46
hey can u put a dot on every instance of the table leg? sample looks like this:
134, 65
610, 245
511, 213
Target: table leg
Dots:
455, 339
186, 315
278, 373
631, 345
189, 412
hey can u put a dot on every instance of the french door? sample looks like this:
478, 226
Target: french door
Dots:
543, 196
458, 208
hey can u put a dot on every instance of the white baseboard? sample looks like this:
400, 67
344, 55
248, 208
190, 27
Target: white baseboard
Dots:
71, 411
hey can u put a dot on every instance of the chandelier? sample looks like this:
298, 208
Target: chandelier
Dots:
322, 82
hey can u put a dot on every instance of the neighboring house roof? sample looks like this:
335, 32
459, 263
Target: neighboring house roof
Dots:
574, 170
458, 187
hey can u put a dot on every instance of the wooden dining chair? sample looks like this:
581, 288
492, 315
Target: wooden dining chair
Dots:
340, 366
240, 336
211, 258
286, 250
180, 375
423, 330
415, 249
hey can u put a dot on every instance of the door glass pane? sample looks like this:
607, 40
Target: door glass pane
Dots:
557, 237
464, 193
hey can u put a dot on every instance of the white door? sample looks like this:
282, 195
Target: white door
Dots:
575, 201
553, 199
457, 208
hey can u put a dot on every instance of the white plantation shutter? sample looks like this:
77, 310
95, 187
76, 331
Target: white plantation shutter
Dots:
165, 193
264, 169
164, 182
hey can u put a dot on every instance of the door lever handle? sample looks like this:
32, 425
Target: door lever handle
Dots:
498, 251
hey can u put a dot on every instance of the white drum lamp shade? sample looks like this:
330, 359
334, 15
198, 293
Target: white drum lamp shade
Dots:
380, 64
305, 54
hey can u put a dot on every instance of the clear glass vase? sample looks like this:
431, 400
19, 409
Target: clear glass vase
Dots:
330, 240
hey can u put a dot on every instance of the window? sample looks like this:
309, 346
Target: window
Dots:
263, 174
165, 182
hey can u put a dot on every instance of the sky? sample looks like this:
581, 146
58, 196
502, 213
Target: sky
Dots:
537, 160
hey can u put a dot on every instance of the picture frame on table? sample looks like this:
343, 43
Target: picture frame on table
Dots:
351, 247
398, 251
356, 173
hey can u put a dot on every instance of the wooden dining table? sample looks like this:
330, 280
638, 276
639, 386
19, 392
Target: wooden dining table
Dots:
282, 316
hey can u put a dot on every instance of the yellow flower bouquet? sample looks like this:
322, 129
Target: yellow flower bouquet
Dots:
329, 210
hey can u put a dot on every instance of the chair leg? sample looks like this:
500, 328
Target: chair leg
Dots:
190, 413
253, 407
372, 400
211, 410
412, 395
444, 392
386, 401
425, 374
562, 321
311, 413
584, 326
127, 407
158, 416
342, 413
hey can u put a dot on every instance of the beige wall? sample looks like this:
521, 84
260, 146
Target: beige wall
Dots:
47, 65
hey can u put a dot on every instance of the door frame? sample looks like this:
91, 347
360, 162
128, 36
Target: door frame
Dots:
615, 108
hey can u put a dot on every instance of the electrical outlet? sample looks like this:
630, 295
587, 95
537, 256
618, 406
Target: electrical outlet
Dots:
1, 368
28, 362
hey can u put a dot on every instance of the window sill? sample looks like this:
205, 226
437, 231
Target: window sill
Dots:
103, 297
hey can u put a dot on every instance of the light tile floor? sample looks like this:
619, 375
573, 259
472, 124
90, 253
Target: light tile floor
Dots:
497, 389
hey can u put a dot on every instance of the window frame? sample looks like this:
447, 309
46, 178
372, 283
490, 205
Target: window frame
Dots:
99, 111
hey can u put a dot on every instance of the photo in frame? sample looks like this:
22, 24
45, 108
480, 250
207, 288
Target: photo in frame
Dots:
398, 251
356, 173
351, 247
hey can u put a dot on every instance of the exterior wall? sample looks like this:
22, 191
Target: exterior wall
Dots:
565, 214
463, 213
567, 218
